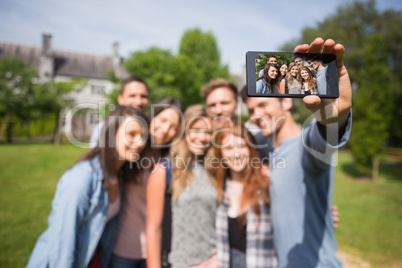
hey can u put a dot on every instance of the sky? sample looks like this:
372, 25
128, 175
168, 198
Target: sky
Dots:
92, 26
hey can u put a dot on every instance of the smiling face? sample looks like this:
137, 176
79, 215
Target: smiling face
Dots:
235, 152
294, 71
164, 126
283, 69
272, 60
198, 136
272, 72
304, 74
267, 113
130, 140
315, 64
221, 105
136, 95
299, 62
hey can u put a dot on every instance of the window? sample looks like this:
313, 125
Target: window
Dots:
97, 89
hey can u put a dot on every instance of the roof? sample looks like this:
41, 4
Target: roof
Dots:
73, 64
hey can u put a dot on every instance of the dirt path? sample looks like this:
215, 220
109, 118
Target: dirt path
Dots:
350, 261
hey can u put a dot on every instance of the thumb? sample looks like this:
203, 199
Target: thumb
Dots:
312, 102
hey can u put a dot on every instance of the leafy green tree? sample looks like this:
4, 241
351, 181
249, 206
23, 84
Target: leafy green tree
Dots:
50, 100
182, 75
373, 105
156, 66
16, 92
359, 26
198, 62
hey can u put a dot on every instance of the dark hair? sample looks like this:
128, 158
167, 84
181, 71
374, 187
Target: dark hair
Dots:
216, 83
280, 66
243, 93
106, 147
167, 103
283, 63
266, 78
272, 57
298, 55
130, 80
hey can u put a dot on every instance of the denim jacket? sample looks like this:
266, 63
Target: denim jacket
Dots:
77, 220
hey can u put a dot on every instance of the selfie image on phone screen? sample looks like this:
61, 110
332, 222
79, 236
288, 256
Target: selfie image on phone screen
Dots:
295, 75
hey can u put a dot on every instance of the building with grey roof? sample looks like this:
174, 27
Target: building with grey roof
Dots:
63, 66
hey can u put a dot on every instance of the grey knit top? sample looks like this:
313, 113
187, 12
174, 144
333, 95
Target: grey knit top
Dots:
193, 223
295, 88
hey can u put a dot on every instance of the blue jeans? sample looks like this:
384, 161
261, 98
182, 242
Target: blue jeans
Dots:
120, 262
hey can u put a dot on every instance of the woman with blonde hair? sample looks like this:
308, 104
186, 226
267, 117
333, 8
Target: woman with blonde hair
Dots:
243, 222
290, 84
194, 199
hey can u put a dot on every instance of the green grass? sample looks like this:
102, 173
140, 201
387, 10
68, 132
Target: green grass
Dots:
28, 177
371, 213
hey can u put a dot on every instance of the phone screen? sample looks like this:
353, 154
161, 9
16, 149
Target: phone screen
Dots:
291, 75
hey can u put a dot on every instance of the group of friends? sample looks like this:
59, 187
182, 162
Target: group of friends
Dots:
305, 75
195, 187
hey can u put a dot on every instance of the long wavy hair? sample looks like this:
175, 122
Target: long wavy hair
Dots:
166, 103
106, 149
268, 81
310, 80
280, 66
255, 185
289, 76
182, 157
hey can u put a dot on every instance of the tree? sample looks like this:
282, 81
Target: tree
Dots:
51, 98
156, 66
16, 92
373, 106
180, 76
198, 62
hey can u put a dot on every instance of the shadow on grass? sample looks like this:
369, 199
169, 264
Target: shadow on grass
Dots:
391, 170
387, 170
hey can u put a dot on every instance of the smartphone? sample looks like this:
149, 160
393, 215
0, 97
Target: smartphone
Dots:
304, 74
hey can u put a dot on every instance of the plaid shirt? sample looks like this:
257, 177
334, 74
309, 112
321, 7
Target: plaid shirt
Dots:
260, 251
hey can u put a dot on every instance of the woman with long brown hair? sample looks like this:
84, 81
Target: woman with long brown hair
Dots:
244, 230
268, 83
87, 197
165, 129
308, 82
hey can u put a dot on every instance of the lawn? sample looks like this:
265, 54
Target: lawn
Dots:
371, 213
28, 178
